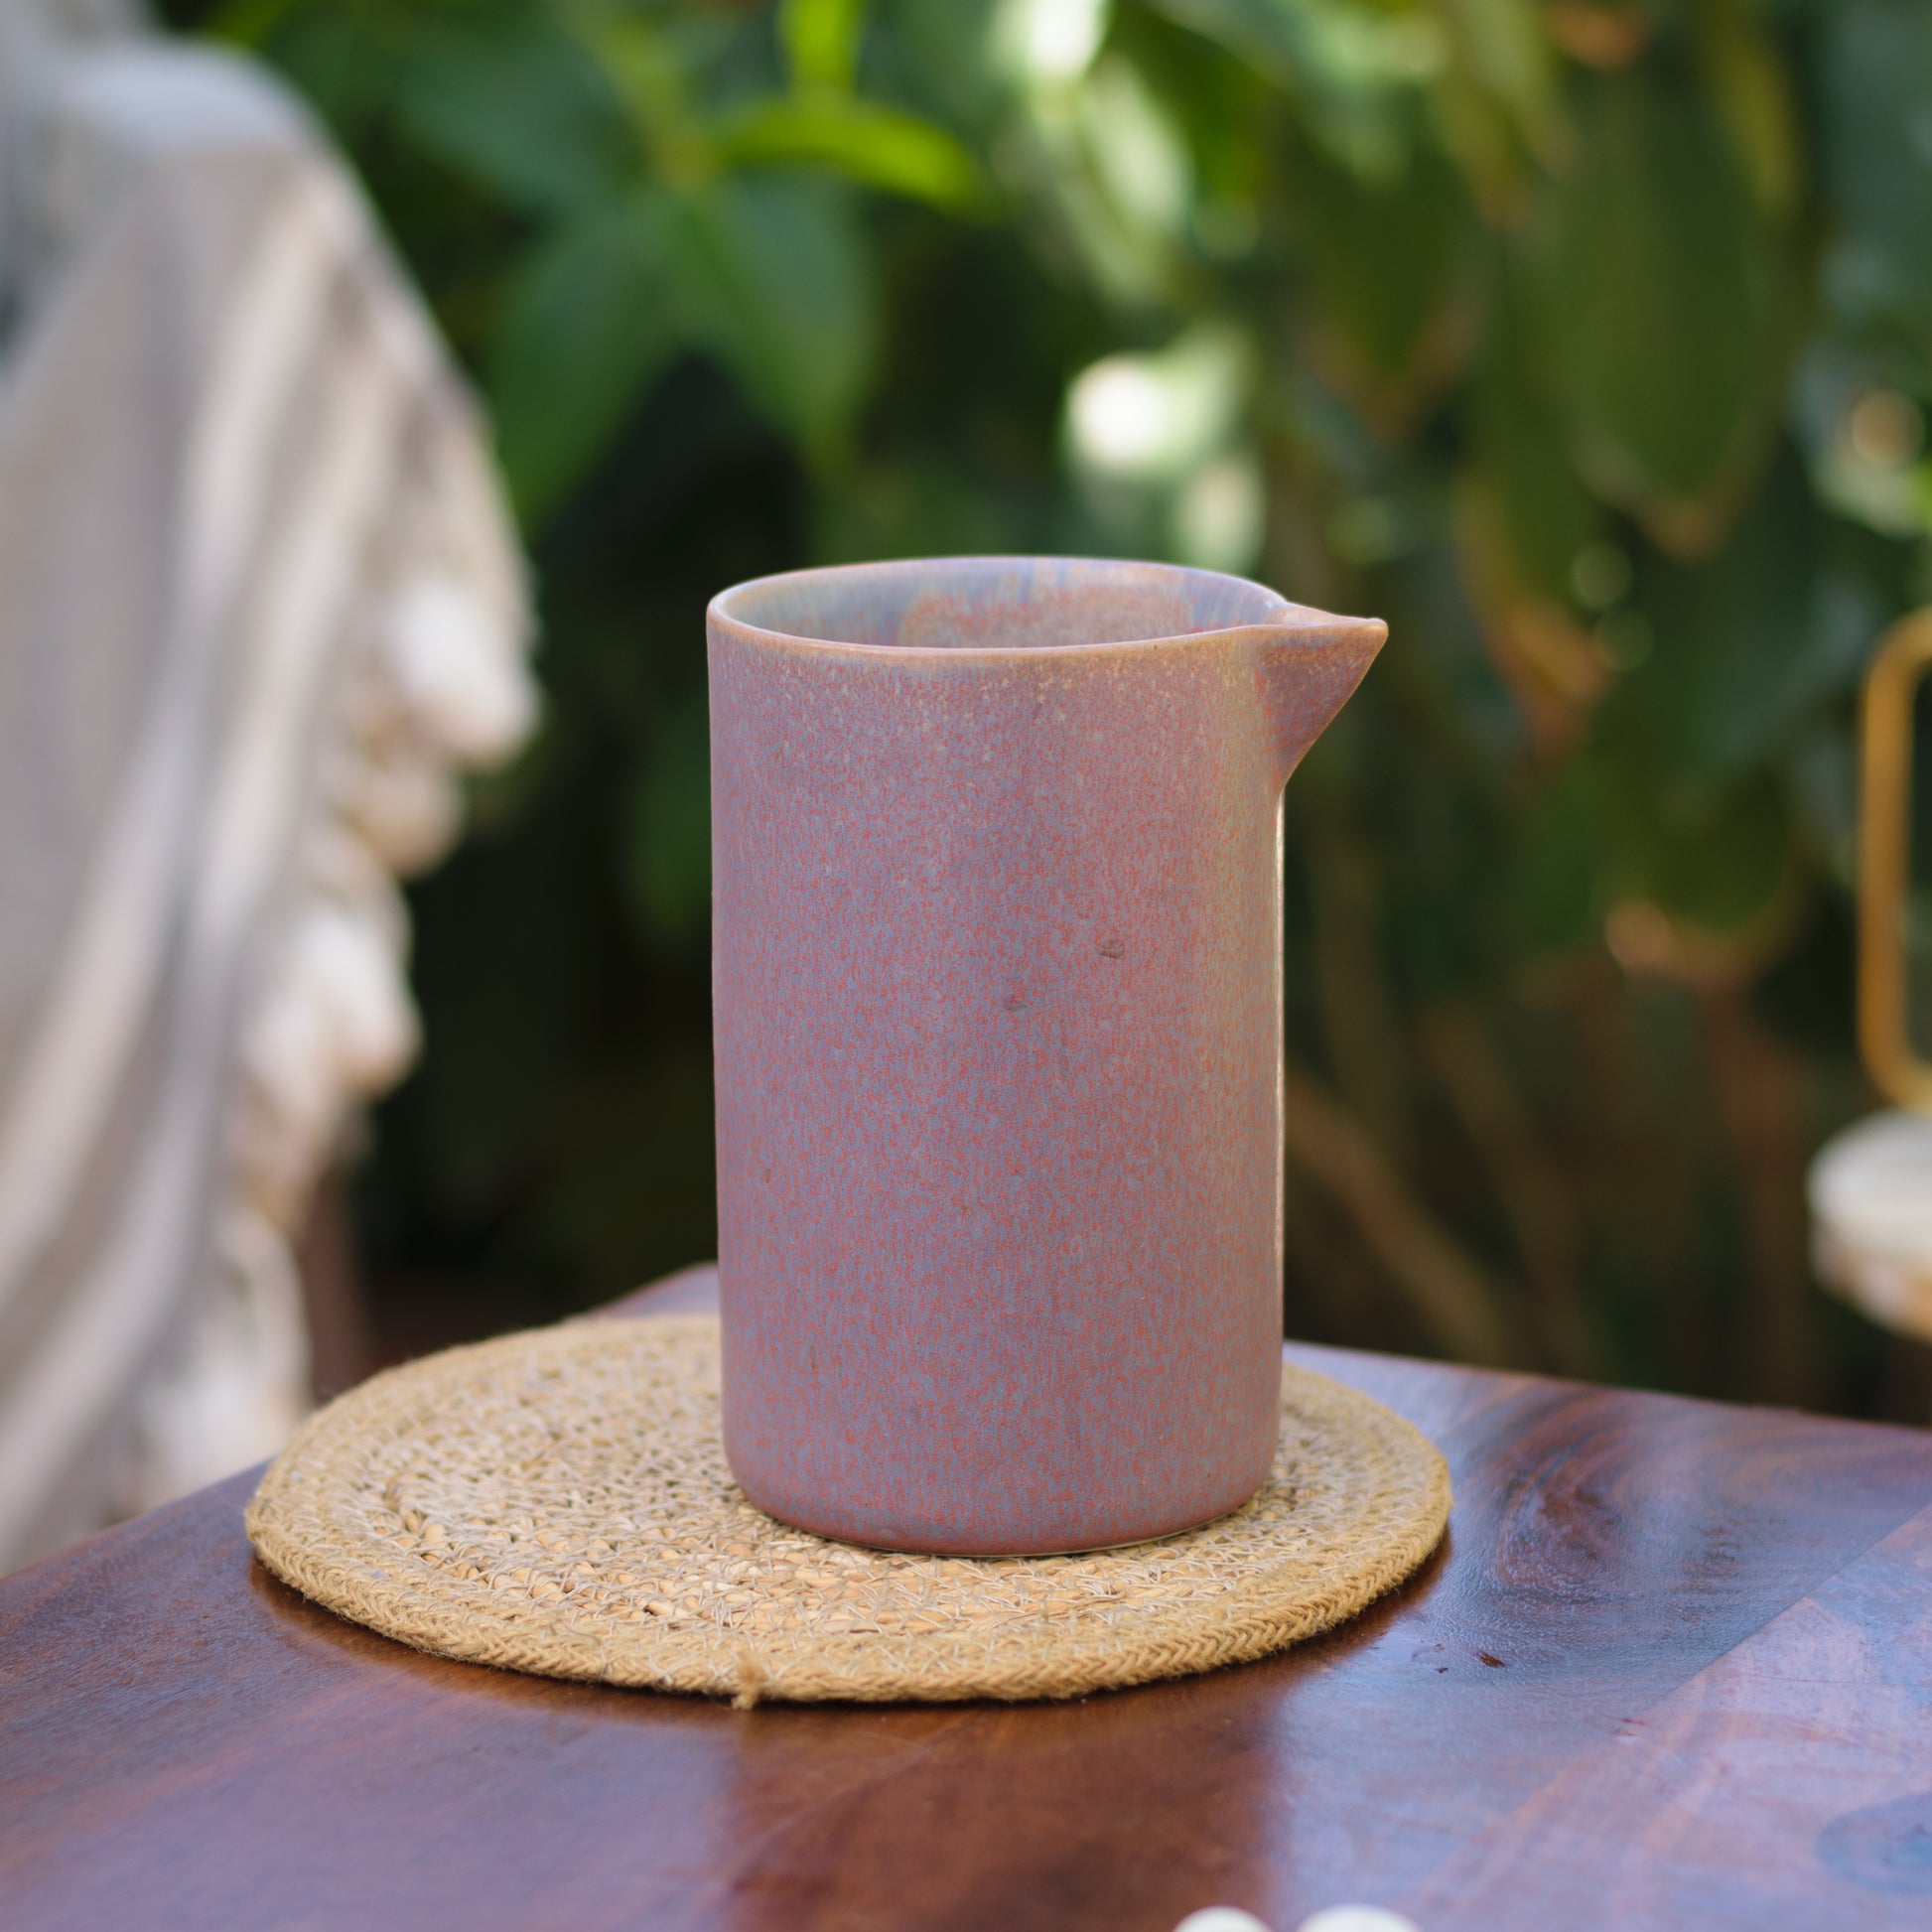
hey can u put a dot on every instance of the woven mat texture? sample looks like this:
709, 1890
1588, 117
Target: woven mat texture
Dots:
559, 1502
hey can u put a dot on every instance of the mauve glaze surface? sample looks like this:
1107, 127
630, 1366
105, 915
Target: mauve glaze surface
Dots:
997, 995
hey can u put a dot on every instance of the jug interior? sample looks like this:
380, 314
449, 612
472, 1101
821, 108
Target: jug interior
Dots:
999, 603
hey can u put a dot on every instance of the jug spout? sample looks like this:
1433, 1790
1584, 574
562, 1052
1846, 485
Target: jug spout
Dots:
1308, 664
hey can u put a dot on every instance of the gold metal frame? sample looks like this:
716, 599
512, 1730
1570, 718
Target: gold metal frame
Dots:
1903, 657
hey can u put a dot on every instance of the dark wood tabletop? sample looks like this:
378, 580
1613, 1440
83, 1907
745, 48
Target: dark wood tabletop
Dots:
1673, 1668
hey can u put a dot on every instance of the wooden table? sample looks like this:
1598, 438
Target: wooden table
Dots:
1674, 1668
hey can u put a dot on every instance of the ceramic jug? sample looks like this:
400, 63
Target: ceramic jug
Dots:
996, 986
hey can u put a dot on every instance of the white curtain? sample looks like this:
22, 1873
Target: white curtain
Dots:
259, 601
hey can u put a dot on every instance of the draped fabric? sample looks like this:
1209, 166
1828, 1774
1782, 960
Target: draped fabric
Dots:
258, 600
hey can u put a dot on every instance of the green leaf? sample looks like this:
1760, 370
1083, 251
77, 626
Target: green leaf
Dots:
821, 40
1386, 259
1137, 155
879, 147
1663, 306
1501, 52
1497, 103
650, 61
776, 284
1547, 515
1876, 162
1750, 87
1354, 70
1750, 643
519, 107
589, 320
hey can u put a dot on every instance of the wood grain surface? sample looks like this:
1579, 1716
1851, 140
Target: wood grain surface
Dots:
1674, 1667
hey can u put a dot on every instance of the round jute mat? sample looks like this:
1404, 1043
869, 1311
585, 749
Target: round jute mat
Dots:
559, 1502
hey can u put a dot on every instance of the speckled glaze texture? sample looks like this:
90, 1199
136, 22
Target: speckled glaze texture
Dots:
997, 987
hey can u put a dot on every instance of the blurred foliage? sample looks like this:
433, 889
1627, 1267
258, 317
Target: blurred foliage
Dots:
1585, 339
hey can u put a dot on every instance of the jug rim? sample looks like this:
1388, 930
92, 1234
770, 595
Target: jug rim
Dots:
1271, 610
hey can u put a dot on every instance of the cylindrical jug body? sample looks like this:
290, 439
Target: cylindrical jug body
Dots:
998, 1008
